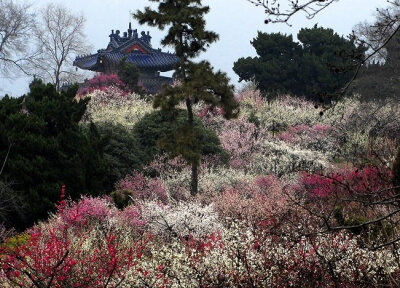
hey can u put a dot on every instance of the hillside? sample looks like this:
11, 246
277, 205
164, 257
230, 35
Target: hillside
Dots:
296, 199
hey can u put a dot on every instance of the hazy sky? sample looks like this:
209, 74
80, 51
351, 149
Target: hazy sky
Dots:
236, 22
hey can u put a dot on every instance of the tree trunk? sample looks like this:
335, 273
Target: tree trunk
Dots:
189, 111
57, 84
194, 176
194, 181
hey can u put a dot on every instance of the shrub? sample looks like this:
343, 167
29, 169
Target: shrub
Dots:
122, 152
141, 188
101, 82
155, 131
49, 148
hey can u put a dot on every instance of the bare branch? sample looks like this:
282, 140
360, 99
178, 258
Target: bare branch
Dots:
16, 22
60, 37
278, 14
5, 160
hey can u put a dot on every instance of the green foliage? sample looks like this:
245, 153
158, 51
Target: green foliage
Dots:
186, 32
158, 132
317, 66
254, 119
198, 82
12, 243
201, 84
276, 68
49, 149
122, 152
11, 205
129, 74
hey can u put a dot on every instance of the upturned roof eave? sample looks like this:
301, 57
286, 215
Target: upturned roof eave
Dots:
153, 60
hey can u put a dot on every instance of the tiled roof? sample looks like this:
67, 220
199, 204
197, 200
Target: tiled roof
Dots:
147, 59
88, 62
157, 60
154, 85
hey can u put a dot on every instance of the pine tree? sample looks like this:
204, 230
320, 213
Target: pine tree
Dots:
317, 66
130, 75
48, 148
188, 36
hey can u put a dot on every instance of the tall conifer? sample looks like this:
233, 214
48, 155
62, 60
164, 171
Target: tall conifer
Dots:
188, 36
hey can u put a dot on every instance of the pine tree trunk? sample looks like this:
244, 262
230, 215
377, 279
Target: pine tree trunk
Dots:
194, 181
194, 176
189, 112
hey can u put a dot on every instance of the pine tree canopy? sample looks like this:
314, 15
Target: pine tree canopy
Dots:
319, 65
48, 149
198, 82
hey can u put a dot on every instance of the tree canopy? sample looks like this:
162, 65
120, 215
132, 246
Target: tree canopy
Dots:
16, 22
48, 148
318, 65
157, 133
129, 74
187, 34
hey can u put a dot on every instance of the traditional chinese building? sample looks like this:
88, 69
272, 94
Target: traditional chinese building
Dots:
136, 49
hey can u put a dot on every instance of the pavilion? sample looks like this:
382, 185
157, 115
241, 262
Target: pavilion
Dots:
135, 49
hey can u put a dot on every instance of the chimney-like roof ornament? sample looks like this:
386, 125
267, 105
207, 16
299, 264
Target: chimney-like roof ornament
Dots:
130, 30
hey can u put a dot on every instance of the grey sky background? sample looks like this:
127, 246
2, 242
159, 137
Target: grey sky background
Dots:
236, 22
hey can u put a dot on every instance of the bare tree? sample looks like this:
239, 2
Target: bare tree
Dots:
376, 36
60, 36
16, 23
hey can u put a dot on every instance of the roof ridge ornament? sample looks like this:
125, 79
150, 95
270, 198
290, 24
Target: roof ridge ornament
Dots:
146, 38
130, 31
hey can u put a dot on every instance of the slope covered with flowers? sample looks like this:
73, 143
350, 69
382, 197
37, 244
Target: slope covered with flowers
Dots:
303, 200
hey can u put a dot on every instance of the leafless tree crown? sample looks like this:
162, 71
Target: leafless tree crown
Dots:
16, 22
60, 36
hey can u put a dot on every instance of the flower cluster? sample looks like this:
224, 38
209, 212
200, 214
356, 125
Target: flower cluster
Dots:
142, 188
101, 82
115, 106
182, 219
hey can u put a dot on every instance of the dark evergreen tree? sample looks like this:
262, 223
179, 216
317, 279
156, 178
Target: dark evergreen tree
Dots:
158, 132
122, 152
198, 82
48, 149
129, 74
332, 60
317, 66
275, 69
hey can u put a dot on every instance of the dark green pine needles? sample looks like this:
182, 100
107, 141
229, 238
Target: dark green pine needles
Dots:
187, 34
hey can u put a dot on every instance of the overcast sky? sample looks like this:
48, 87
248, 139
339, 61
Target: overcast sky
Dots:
236, 22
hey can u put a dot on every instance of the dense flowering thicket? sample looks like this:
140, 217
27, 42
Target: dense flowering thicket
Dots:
304, 200
92, 244
101, 82
115, 106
